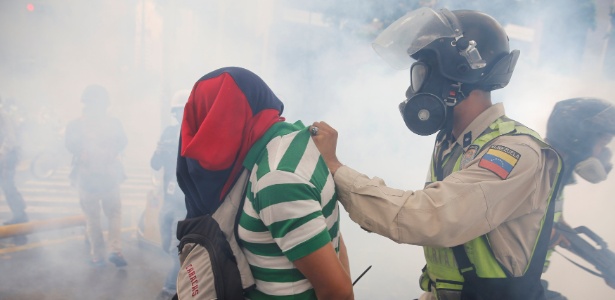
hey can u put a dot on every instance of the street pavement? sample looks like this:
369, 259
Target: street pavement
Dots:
53, 264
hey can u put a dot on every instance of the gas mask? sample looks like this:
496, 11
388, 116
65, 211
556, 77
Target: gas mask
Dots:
430, 100
595, 169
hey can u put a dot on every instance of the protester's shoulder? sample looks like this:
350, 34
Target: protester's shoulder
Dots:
285, 137
294, 151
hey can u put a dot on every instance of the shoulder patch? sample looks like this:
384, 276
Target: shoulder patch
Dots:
500, 160
469, 155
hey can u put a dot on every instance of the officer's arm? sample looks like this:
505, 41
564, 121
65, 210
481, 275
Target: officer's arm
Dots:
465, 205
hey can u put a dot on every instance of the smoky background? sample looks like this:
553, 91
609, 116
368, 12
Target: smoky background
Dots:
316, 56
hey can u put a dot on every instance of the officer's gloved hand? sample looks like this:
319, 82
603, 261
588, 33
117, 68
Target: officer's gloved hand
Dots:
558, 239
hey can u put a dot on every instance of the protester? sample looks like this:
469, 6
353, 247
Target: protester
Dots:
96, 141
289, 225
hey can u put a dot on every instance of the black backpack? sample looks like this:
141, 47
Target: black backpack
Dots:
212, 263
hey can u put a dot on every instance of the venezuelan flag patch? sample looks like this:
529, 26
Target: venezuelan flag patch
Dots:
500, 160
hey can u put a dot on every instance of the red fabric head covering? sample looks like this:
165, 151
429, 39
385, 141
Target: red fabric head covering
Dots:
228, 110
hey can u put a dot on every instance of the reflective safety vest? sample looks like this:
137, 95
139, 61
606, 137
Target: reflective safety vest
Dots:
471, 271
557, 215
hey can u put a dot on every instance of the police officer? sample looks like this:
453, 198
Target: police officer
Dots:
485, 214
96, 141
173, 208
580, 129
9, 155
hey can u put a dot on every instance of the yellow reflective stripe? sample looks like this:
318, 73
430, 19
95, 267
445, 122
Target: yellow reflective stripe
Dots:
458, 162
441, 264
557, 216
449, 285
481, 256
424, 281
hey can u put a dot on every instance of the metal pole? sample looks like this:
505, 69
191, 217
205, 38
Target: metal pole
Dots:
41, 225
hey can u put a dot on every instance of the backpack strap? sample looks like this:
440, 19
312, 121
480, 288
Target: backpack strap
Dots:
232, 205
240, 207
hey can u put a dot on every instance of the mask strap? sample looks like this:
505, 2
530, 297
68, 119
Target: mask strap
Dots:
455, 96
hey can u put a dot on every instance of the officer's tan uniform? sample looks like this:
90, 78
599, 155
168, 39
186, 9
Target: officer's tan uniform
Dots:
466, 204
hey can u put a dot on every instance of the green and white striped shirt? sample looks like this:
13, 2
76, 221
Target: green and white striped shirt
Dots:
291, 211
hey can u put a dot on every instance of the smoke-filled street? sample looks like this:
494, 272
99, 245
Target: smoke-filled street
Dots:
53, 263
54, 267
92, 95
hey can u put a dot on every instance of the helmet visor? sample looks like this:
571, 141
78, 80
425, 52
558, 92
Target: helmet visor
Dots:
604, 121
413, 32
418, 75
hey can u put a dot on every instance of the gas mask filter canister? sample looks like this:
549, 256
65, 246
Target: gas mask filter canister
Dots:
595, 169
424, 114
425, 110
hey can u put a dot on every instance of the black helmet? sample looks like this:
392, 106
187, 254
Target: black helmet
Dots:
575, 125
471, 47
95, 95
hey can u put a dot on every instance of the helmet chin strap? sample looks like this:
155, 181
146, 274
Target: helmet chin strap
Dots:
455, 96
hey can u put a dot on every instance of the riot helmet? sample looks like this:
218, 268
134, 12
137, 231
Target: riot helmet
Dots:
178, 102
96, 101
449, 55
575, 127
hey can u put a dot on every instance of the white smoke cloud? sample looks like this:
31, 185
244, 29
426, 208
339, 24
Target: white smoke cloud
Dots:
145, 51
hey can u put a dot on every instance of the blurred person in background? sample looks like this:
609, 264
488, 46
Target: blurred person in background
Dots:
9, 157
608, 67
96, 141
486, 211
580, 129
173, 207
289, 225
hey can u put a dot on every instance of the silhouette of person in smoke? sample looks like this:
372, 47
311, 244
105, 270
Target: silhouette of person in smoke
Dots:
96, 141
174, 207
580, 129
9, 155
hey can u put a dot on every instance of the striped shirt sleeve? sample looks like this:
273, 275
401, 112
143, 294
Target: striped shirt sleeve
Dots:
289, 207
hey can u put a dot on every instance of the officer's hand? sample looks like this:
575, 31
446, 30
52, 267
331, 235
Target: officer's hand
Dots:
325, 138
558, 239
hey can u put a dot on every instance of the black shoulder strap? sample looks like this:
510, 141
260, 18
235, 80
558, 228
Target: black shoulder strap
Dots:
466, 268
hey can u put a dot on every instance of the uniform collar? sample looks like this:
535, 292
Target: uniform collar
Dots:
479, 124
